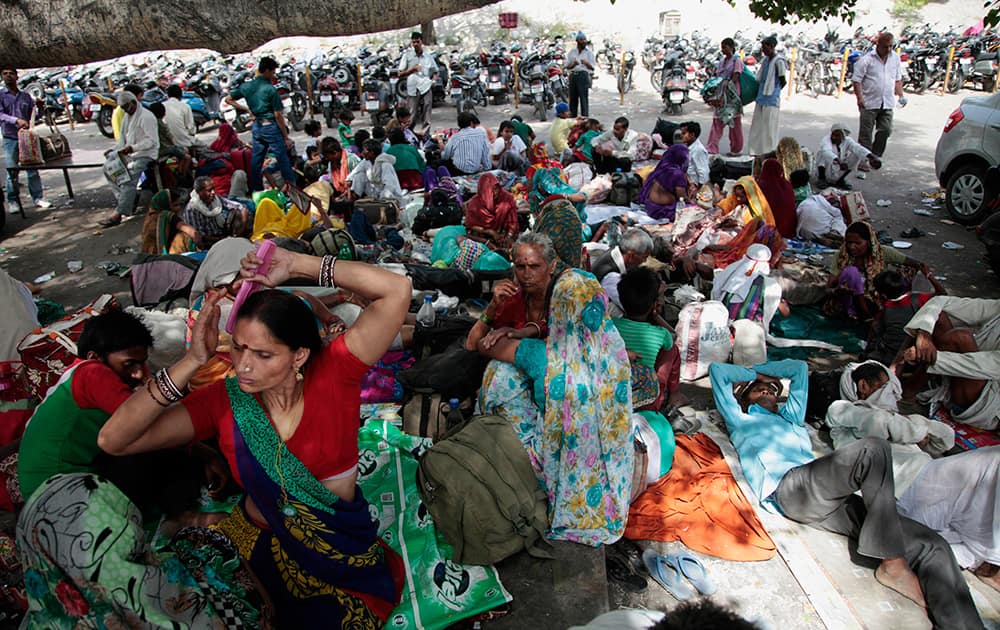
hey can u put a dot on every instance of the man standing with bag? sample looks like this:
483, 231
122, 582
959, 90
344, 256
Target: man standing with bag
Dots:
580, 63
772, 78
877, 82
16, 110
417, 66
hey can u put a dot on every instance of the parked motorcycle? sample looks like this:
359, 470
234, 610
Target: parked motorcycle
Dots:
466, 87
674, 81
498, 78
535, 85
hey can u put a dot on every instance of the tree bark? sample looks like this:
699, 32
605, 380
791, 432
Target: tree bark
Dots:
427, 30
36, 33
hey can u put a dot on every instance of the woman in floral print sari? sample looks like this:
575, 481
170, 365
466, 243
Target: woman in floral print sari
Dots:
87, 565
576, 427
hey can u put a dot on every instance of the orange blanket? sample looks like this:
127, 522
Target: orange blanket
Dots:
700, 504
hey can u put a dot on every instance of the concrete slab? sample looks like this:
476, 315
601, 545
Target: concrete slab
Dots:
568, 590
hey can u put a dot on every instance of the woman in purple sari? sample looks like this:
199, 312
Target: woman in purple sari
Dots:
666, 184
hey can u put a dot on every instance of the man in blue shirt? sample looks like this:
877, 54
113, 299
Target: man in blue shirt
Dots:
771, 79
775, 452
16, 110
468, 151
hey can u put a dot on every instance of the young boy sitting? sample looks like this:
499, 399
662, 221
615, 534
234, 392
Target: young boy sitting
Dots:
344, 128
899, 305
655, 365
649, 345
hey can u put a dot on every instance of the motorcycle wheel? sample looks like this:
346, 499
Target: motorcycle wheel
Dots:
239, 123
104, 121
328, 116
656, 79
956, 80
78, 116
199, 120
540, 110
918, 83
297, 117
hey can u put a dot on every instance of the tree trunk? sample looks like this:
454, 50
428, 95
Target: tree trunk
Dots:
36, 33
427, 30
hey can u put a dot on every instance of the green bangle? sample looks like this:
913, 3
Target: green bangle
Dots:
486, 319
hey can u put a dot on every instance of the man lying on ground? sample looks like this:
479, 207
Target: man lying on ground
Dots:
775, 452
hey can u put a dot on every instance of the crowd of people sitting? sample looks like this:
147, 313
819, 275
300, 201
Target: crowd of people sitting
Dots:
579, 345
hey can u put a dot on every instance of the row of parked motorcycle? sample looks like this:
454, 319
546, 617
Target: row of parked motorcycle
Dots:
682, 64
320, 85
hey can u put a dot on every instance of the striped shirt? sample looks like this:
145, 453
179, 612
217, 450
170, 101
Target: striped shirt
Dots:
468, 150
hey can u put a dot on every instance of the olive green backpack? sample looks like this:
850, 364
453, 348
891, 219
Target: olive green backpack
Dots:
481, 491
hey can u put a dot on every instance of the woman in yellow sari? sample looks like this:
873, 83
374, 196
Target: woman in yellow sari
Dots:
746, 197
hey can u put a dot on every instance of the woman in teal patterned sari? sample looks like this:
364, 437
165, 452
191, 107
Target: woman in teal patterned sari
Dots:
577, 426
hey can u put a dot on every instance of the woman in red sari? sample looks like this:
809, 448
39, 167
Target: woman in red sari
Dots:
491, 215
287, 424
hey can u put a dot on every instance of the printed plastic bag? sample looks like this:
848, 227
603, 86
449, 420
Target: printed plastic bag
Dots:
115, 169
702, 338
29, 148
437, 592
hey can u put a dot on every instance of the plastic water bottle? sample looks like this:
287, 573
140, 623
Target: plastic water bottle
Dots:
426, 316
681, 204
455, 416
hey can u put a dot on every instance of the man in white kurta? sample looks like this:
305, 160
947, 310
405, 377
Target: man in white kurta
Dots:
956, 495
959, 339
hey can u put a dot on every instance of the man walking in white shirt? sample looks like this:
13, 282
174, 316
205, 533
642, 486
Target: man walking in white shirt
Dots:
877, 82
418, 67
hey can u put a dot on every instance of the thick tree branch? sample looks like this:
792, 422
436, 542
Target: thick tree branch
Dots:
35, 33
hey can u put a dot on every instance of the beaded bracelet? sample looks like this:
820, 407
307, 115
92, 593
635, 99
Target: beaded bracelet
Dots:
326, 269
149, 390
168, 388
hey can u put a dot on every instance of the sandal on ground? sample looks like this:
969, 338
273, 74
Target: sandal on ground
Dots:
632, 552
620, 570
667, 573
695, 572
110, 222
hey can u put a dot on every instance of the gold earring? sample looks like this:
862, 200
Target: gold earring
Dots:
299, 376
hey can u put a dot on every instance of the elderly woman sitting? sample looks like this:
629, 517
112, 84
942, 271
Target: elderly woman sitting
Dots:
518, 309
569, 400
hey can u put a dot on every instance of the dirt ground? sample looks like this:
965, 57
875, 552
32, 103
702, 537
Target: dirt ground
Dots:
48, 239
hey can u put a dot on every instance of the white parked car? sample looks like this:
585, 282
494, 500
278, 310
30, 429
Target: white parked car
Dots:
969, 145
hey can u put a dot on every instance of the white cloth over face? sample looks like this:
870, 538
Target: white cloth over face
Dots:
738, 278
852, 419
957, 497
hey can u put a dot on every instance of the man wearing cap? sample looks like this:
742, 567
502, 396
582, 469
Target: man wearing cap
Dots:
559, 132
877, 82
838, 155
776, 455
771, 79
138, 146
580, 64
417, 66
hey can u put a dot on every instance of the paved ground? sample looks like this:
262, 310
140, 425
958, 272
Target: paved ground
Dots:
841, 590
47, 239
